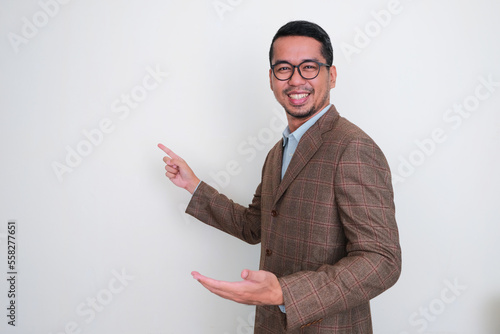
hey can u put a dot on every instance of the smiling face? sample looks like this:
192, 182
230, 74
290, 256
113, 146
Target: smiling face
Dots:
301, 98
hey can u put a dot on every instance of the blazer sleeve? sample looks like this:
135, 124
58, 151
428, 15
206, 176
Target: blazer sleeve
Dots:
215, 209
365, 204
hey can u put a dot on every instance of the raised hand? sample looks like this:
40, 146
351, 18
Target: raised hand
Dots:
178, 170
257, 288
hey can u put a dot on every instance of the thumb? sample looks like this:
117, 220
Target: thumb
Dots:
247, 274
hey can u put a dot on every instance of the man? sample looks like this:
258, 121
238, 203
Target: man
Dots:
323, 212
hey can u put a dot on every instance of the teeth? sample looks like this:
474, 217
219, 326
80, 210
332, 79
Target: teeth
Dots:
298, 96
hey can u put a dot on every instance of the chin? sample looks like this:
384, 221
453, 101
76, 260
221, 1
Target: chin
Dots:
300, 113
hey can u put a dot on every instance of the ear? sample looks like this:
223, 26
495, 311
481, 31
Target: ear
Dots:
271, 79
333, 76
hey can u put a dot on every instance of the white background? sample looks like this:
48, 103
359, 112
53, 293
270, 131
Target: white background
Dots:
399, 78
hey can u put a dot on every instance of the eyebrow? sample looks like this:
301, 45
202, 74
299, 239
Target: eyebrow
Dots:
280, 61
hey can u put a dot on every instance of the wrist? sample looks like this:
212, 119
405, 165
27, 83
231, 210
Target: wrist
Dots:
191, 187
278, 295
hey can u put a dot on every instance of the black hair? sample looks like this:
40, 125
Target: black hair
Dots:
307, 29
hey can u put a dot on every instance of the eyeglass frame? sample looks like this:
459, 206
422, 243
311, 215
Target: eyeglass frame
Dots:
298, 68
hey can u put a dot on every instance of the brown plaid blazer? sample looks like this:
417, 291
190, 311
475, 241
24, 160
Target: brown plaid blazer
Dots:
327, 230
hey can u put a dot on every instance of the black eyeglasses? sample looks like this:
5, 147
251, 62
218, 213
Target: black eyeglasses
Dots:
308, 69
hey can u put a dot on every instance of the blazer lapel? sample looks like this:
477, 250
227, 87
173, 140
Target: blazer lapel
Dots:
309, 144
276, 160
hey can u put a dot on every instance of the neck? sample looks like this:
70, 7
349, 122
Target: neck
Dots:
295, 123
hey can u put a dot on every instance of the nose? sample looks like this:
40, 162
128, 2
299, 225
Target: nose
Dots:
296, 79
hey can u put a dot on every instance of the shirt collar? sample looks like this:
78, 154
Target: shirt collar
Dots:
297, 134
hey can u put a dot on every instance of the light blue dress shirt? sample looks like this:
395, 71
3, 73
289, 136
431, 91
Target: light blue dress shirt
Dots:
290, 143
291, 140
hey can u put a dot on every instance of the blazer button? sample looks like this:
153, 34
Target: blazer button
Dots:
274, 213
269, 252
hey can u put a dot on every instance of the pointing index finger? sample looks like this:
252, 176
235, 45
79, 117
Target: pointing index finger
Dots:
168, 151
